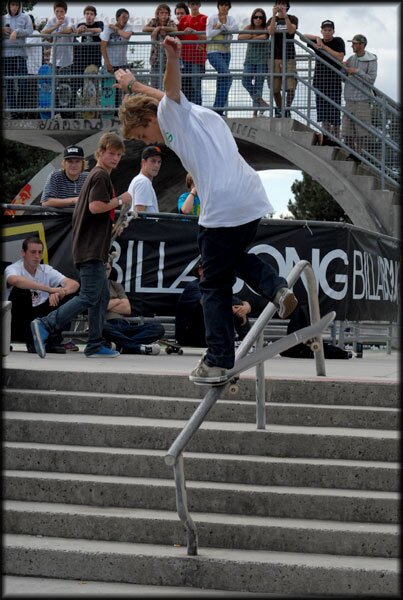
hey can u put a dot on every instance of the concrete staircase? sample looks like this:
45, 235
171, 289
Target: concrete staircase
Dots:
308, 506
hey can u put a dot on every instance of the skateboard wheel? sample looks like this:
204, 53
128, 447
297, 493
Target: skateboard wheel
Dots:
180, 351
315, 346
233, 389
168, 350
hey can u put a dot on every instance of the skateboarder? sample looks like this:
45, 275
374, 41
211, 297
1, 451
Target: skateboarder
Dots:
233, 201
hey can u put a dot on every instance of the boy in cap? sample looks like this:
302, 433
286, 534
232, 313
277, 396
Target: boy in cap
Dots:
362, 68
233, 201
63, 186
331, 50
141, 187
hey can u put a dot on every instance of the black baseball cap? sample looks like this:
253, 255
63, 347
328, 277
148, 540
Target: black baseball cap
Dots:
151, 151
73, 152
327, 23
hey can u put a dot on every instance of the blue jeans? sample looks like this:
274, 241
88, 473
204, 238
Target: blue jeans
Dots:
129, 336
223, 255
191, 86
253, 81
94, 296
220, 61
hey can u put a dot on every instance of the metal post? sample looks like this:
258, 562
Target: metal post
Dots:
182, 506
260, 388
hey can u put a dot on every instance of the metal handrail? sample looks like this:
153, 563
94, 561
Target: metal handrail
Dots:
174, 456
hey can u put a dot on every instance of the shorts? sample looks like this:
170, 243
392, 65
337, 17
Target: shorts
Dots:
361, 110
291, 82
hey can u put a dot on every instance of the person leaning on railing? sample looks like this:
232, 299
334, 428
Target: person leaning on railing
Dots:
255, 65
158, 26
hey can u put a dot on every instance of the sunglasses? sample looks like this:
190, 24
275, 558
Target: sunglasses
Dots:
258, 17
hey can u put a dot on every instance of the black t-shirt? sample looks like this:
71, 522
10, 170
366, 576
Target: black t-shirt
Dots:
88, 52
322, 72
278, 37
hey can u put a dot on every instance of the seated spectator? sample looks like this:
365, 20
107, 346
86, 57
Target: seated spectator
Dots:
189, 202
35, 290
88, 51
64, 185
189, 320
128, 337
159, 26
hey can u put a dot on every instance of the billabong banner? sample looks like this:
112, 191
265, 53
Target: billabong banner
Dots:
357, 271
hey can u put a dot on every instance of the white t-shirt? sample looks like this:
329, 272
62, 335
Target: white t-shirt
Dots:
34, 53
45, 274
62, 46
230, 191
142, 192
117, 45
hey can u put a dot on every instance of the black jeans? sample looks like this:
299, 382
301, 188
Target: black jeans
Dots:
22, 313
223, 256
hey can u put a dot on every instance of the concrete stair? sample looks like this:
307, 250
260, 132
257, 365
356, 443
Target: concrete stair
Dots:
308, 506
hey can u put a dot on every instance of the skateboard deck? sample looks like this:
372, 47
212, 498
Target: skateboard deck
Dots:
107, 93
125, 216
45, 90
90, 92
297, 337
171, 347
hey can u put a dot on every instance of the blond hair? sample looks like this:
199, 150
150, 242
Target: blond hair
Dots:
109, 140
189, 181
84, 164
136, 111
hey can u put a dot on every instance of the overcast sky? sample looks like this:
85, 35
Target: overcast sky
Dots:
378, 21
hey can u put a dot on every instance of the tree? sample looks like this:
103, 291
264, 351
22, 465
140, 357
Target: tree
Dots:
313, 203
20, 164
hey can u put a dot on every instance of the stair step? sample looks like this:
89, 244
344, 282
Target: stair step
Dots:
230, 468
259, 500
217, 530
239, 570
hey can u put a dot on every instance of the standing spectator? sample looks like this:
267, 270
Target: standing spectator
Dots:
159, 26
255, 65
362, 68
141, 187
193, 60
114, 43
88, 51
35, 290
34, 52
233, 200
16, 27
189, 202
128, 337
219, 28
92, 225
331, 50
181, 10
63, 186
279, 24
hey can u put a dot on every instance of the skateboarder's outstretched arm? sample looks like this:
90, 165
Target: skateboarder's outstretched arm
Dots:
127, 82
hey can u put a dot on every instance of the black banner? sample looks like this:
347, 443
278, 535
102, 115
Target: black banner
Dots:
357, 271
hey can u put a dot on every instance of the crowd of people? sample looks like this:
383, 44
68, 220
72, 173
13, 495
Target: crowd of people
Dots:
206, 39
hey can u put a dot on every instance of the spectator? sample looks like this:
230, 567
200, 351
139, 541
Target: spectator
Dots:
114, 44
193, 63
331, 50
88, 51
34, 52
62, 55
362, 68
128, 337
181, 10
255, 65
141, 187
35, 290
281, 23
159, 26
219, 29
190, 329
63, 186
92, 225
189, 202
233, 200
16, 27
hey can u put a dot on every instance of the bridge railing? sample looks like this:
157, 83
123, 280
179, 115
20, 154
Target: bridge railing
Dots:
71, 93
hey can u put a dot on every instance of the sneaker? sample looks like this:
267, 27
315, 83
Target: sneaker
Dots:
104, 352
71, 346
285, 301
56, 349
40, 335
150, 349
205, 374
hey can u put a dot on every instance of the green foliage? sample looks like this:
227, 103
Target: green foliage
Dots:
313, 203
20, 164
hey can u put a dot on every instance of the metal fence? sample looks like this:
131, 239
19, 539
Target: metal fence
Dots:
245, 89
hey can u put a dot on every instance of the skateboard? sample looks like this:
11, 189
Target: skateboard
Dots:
171, 347
107, 93
304, 335
45, 90
125, 216
89, 96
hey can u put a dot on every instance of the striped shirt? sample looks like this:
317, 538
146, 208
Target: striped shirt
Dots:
58, 185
